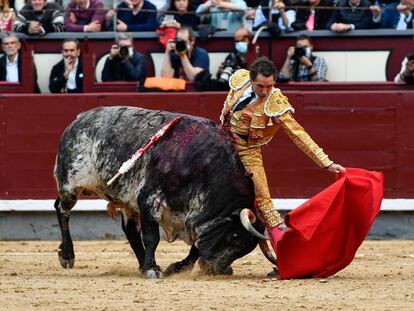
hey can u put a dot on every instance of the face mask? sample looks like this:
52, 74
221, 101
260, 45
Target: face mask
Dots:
308, 52
130, 51
241, 47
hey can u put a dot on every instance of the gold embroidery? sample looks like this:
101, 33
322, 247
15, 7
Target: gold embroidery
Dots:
277, 104
239, 79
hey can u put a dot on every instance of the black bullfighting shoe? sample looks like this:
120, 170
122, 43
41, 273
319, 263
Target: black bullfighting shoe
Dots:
274, 274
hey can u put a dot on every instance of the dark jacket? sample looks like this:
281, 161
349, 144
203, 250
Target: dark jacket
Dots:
57, 81
145, 20
321, 15
124, 70
3, 71
362, 19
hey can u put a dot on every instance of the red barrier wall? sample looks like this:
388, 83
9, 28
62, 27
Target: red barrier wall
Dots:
358, 128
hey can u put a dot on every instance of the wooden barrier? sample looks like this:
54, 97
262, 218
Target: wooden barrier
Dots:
372, 129
393, 44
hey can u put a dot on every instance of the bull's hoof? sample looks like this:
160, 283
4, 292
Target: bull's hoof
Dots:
66, 263
227, 271
177, 267
153, 274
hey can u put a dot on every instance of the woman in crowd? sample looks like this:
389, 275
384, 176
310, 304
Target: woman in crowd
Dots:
224, 14
181, 13
7, 16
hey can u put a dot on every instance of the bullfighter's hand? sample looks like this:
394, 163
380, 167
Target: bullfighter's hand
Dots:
336, 168
276, 233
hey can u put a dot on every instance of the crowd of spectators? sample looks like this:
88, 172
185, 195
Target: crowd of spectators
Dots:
38, 17
182, 58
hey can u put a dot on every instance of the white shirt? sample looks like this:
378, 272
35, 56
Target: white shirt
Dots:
12, 69
246, 94
397, 78
71, 82
402, 22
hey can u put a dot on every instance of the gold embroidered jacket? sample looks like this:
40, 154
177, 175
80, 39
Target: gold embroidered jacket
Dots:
261, 120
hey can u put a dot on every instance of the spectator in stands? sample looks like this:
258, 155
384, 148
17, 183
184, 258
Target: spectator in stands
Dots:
11, 62
301, 65
85, 16
310, 17
182, 59
7, 16
181, 13
352, 17
224, 14
380, 7
395, 15
39, 17
277, 19
406, 10
67, 75
133, 15
123, 63
406, 73
237, 59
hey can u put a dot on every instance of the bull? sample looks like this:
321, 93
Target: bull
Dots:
191, 183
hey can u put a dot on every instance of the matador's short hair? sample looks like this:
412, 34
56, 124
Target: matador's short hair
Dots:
263, 66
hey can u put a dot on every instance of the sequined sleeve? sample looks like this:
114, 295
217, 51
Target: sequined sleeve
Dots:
304, 142
226, 107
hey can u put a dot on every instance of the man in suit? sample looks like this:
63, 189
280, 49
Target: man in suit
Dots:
11, 62
67, 75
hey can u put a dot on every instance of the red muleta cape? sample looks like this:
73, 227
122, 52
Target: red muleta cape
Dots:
325, 232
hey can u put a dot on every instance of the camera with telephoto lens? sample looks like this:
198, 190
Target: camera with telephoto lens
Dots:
299, 52
229, 65
180, 45
123, 51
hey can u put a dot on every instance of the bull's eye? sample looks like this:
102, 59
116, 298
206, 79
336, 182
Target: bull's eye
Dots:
234, 236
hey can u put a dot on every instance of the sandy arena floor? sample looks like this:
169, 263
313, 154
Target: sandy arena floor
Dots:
105, 277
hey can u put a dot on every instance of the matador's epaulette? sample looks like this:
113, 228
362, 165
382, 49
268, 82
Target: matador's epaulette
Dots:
277, 104
239, 79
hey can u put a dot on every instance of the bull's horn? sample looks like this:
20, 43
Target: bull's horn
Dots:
247, 217
267, 252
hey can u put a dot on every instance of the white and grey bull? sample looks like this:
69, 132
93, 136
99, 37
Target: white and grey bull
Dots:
191, 183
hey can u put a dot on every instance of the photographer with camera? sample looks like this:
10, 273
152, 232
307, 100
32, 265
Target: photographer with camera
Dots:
123, 63
237, 59
406, 73
182, 59
67, 75
301, 65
